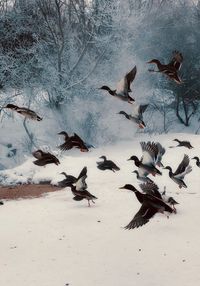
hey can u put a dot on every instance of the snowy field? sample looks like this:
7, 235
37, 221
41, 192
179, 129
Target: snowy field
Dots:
54, 240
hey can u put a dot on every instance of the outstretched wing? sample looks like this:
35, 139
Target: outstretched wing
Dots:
142, 108
176, 60
82, 173
122, 87
142, 217
150, 152
183, 168
130, 77
151, 189
81, 184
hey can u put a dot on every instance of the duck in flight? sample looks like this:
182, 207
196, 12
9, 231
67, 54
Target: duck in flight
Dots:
44, 158
186, 144
137, 115
79, 181
123, 87
73, 141
26, 112
107, 165
171, 69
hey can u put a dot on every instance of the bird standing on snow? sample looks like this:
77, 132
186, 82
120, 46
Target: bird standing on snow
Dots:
147, 164
44, 158
123, 87
183, 144
27, 113
150, 206
137, 115
107, 165
171, 69
183, 169
72, 141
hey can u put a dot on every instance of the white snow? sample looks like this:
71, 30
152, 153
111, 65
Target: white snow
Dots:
54, 240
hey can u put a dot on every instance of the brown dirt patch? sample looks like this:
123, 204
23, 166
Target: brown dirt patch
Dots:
26, 191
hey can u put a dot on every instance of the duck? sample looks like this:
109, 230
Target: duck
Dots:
197, 161
142, 178
151, 188
44, 158
186, 144
83, 194
137, 115
1, 203
107, 165
69, 179
123, 87
169, 200
171, 69
147, 164
26, 112
72, 141
183, 169
150, 206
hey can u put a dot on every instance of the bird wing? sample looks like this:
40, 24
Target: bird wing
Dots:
142, 216
142, 108
135, 110
82, 173
150, 151
65, 146
81, 184
37, 154
183, 168
151, 189
142, 172
122, 87
131, 76
176, 60
78, 198
161, 152
76, 138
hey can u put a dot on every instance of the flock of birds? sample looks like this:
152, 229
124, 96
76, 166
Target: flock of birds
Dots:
151, 199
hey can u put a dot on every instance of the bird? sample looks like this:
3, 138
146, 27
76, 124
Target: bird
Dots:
142, 178
197, 161
26, 112
183, 169
171, 69
137, 115
80, 181
123, 87
44, 158
169, 200
150, 206
72, 141
1, 203
83, 194
147, 164
186, 144
107, 165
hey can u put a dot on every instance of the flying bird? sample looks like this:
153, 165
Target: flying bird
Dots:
44, 158
72, 142
150, 206
123, 87
171, 69
107, 165
186, 144
69, 179
137, 115
26, 112
183, 169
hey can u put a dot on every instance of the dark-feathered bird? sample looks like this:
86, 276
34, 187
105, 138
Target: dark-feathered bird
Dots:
72, 141
83, 194
69, 180
1, 203
150, 206
183, 169
27, 113
44, 158
171, 69
151, 189
123, 87
147, 164
107, 165
197, 161
137, 115
183, 144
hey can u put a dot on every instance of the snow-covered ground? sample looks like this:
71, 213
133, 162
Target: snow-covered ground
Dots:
54, 240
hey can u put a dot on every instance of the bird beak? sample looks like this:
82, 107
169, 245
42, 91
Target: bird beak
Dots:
141, 126
129, 159
121, 188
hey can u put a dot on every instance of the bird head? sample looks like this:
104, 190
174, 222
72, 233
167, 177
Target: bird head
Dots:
63, 133
128, 187
154, 61
103, 157
134, 158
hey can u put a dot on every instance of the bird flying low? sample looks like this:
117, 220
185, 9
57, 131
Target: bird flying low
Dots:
171, 69
26, 112
137, 115
44, 158
107, 165
123, 87
73, 141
